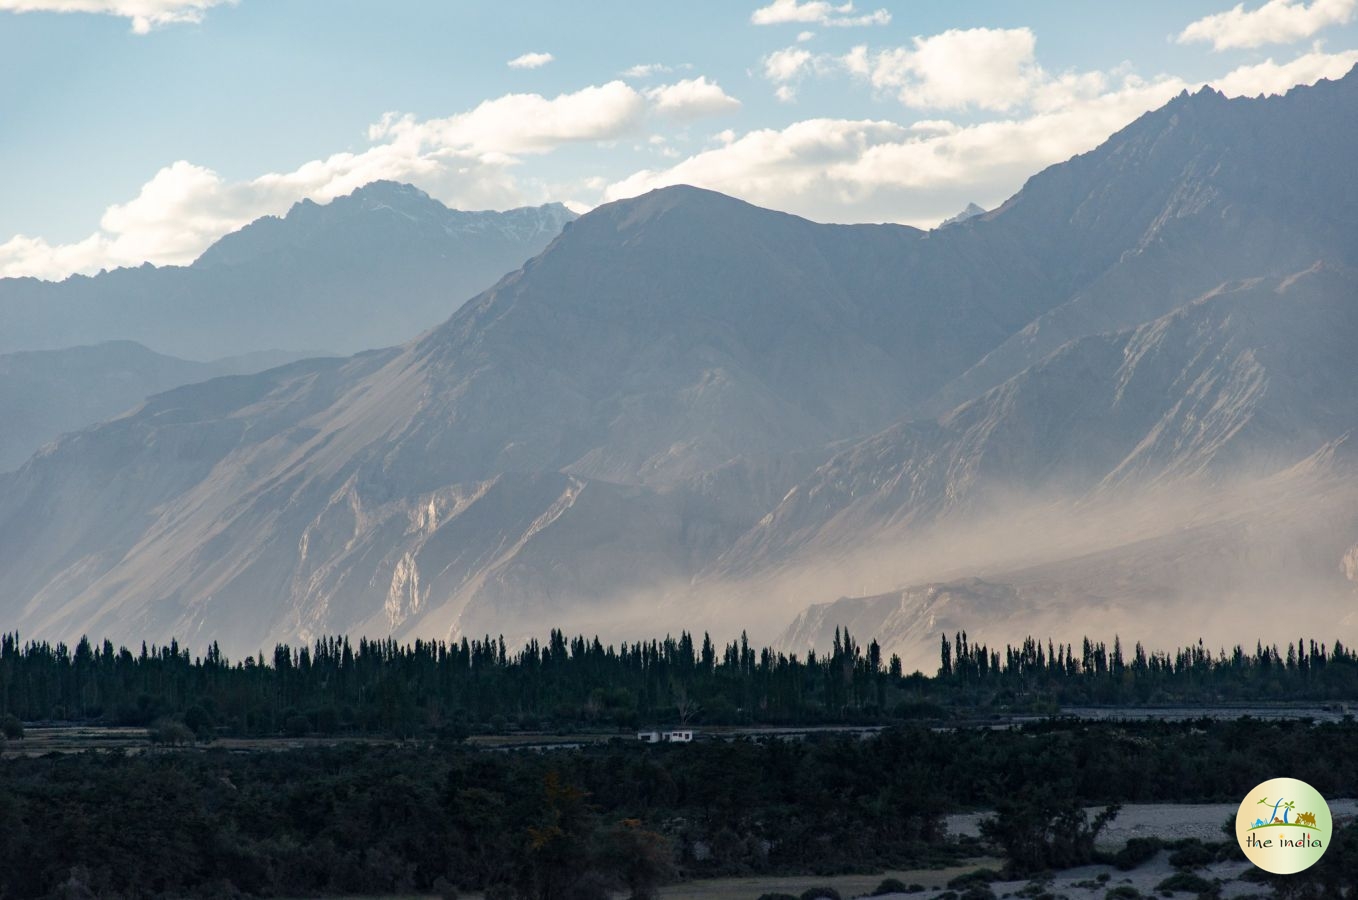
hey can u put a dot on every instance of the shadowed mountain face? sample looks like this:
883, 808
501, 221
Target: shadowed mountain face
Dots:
684, 401
370, 269
46, 393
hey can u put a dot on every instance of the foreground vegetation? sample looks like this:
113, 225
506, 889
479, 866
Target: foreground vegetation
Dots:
452, 689
440, 817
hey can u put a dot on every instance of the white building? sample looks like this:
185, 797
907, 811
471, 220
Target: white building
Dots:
684, 736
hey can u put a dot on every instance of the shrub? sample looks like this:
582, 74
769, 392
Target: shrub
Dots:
890, 886
820, 893
170, 732
977, 892
1137, 852
12, 728
1122, 891
979, 877
1191, 854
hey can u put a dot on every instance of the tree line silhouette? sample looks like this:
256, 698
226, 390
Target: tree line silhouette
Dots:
437, 687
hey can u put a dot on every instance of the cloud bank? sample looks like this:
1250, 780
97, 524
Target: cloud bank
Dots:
1276, 22
917, 173
144, 14
468, 160
817, 12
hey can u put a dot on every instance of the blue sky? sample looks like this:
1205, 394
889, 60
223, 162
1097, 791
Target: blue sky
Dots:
135, 130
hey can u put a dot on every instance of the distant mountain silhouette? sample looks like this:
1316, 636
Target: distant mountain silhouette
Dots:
45, 393
370, 269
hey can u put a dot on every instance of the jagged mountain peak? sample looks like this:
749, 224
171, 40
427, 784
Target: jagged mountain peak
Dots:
971, 211
369, 214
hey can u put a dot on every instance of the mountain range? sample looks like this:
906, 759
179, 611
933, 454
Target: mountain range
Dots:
365, 270
1123, 399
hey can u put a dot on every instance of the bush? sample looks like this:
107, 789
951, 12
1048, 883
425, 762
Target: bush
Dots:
1122, 891
890, 886
977, 892
970, 879
820, 893
1191, 854
12, 728
1186, 882
777, 896
170, 732
1138, 851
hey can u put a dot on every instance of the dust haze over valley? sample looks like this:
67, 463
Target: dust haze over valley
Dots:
1120, 403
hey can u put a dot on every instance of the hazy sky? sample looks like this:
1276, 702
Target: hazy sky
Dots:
135, 130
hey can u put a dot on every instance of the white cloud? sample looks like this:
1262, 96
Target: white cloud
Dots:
646, 70
782, 66
524, 123
530, 61
650, 70
1269, 77
816, 12
692, 98
145, 14
804, 36
982, 68
986, 68
1276, 22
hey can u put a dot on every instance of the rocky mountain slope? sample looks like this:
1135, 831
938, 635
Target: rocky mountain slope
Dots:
370, 269
46, 393
685, 404
1202, 191
1254, 376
